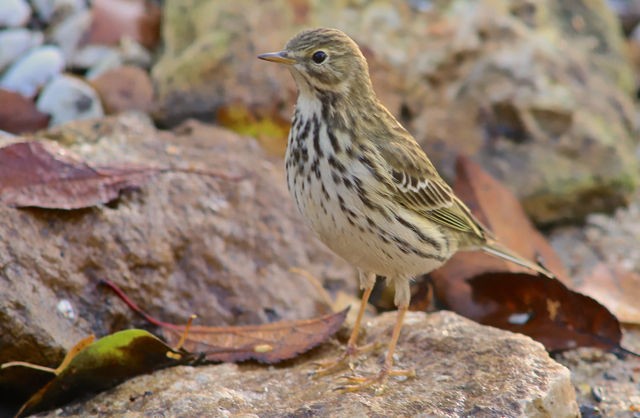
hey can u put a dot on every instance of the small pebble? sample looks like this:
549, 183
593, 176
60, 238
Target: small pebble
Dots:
68, 98
596, 393
27, 75
15, 42
58, 9
70, 32
590, 411
90, 55
14, 13
66, 309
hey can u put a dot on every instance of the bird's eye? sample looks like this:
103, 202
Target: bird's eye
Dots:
319, 57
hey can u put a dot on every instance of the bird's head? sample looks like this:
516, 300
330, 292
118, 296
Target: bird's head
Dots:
323, 60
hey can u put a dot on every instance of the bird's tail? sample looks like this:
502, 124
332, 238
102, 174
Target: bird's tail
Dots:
496, 249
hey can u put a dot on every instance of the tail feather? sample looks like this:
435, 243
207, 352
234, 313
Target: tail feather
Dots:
498, 250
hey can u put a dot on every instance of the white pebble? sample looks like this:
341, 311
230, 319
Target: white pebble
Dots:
15, 42
68, 98
27, 75
66, 309
68, 34
90, 55
14, 13
47, 9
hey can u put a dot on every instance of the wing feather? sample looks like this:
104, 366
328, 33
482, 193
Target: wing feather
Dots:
419, 187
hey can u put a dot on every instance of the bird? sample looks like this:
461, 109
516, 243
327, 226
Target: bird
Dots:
365, 187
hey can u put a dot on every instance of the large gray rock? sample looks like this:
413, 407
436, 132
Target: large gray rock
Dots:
184, 244
538, 92
463, 369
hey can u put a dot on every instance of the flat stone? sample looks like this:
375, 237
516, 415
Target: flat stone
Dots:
463, 369
31, 72
67, 98
184, 244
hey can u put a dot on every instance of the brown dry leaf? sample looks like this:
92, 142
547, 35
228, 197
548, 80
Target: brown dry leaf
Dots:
43, 174
495, 292
114, 19
19, 115
542, 308
266, 343
498, 209
617, 289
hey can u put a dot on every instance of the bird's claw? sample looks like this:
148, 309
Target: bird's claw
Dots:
326, 367
355, 383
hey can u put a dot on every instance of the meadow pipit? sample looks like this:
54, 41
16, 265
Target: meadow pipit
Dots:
363, 184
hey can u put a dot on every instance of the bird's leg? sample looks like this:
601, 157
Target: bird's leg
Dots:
352, 349
387, 368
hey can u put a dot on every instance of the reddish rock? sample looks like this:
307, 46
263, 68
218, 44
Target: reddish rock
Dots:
113, 19
19, 115
124, 88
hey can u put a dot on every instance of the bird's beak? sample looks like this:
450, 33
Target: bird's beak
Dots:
279, 57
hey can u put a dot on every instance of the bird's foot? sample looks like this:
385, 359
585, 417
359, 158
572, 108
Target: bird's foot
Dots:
355, 383
330, 366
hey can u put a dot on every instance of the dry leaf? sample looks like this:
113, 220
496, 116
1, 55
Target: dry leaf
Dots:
498, 209
266, 343
43, 174
498, 293
90, 367
617, 289
542, 308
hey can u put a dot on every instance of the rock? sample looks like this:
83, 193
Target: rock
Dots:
463, 369
114, 19
125, 88
537, 92
184, 244
19, 115
111, 61
14, 13
15, 42
69, 33
91, 55
101, 58
67, 98
57, 10
31, 72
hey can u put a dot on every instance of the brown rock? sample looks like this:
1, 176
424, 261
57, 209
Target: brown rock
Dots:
463, 369
538, 92
113, 19
184, 244
19, 115
124, 88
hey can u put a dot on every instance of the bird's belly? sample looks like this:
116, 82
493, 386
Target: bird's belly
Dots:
372, 240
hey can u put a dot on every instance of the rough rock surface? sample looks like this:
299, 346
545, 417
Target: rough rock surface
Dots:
463, 369
605, 385
538, 92
184, 244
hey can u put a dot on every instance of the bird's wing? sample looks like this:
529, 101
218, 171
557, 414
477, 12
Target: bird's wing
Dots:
419, 187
